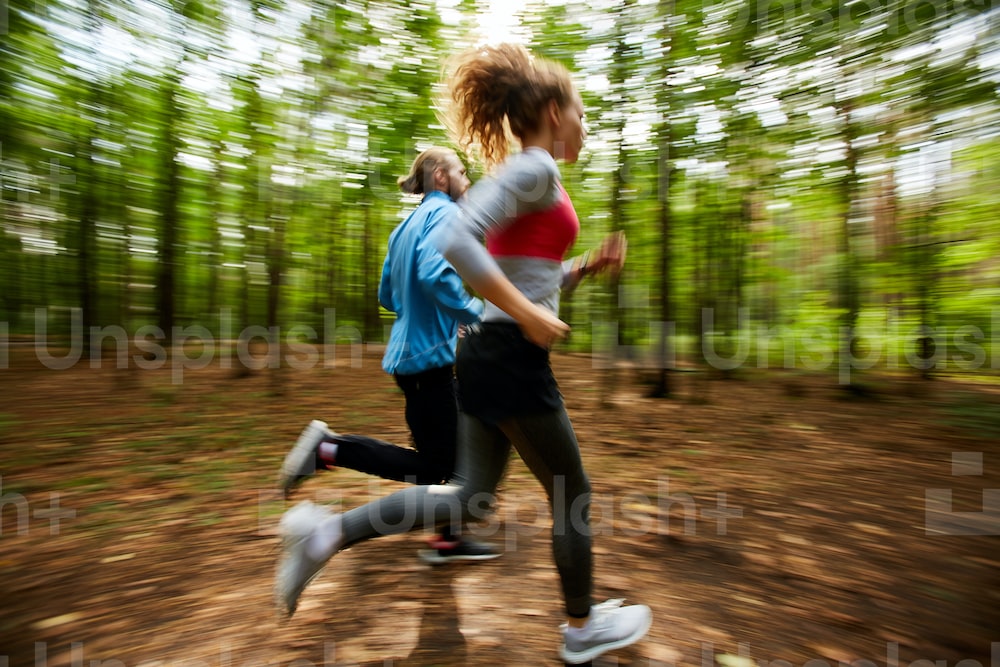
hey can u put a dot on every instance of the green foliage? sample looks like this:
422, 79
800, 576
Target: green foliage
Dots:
233, 164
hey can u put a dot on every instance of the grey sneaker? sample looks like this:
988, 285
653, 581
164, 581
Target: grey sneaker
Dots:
297, 568
610, 626
300, 462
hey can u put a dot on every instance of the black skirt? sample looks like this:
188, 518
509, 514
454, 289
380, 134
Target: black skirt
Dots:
502, 374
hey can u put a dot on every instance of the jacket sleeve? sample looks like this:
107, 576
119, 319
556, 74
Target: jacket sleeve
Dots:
526, 184
438, 279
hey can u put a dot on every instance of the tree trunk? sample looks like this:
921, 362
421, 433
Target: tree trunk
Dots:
370, 277
216, 250
615, 309
86, 241
663, 387
170, 191
848, 296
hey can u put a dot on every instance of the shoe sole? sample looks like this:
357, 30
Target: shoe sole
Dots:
580, 657
305, 447
431, 556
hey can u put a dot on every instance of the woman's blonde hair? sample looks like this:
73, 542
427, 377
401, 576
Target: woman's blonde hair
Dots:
420, 180
496, 92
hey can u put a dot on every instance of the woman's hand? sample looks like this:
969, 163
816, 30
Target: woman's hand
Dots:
537, 324
610, 256
543, 328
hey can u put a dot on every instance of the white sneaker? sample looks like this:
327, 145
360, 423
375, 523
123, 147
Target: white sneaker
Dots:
297, 567
300, 462
610, 626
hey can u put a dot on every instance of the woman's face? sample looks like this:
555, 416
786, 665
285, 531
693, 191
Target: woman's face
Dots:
571, 131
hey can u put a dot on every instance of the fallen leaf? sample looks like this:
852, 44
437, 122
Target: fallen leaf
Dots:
730, 660
119, 557
55, 621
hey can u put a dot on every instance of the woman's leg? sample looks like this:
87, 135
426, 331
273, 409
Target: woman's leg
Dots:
482, 457
547, 444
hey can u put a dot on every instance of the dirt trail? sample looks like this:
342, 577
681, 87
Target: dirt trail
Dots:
764, 519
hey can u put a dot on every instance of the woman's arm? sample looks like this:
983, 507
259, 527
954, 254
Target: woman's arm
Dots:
528, 184
538, 324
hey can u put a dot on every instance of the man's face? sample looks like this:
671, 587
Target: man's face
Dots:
456, 180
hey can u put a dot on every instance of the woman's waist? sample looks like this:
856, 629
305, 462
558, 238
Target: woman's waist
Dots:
493, 314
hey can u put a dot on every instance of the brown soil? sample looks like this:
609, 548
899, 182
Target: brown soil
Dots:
766, 518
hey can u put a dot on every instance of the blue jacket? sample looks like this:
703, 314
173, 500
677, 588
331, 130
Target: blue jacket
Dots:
424, 291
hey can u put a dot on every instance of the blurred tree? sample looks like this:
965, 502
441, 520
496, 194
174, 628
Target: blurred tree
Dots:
621, 79
944, 84
25, 47
810, 167
189, 20
93, 107
669, 43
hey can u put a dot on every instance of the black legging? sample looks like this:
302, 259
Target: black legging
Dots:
432, 415
547, 444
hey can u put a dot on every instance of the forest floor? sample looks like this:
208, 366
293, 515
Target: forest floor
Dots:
770, 519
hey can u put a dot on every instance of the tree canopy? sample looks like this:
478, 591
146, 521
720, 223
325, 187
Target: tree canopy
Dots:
803, 186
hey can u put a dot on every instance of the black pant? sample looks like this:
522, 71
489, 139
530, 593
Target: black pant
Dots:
502, 374
432, 415
548, 446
